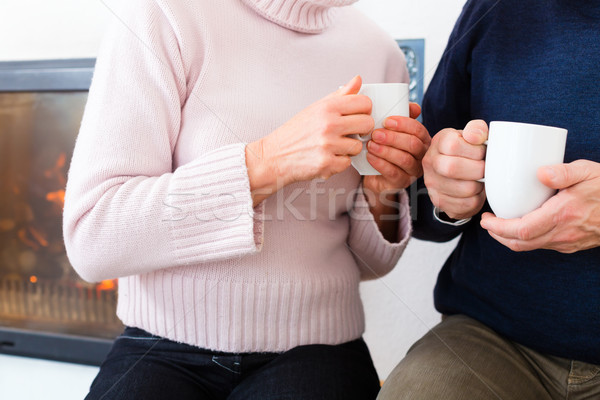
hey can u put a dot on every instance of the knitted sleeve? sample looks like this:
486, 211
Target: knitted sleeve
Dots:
127, 211
447, 104
374, 255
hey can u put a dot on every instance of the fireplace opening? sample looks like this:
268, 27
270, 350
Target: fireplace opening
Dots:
46, 310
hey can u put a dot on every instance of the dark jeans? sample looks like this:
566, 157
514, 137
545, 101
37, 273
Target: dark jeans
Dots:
143, 366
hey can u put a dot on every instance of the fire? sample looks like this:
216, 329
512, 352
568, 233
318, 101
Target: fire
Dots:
55, 173
40, 238
57, 197
106, 285
56, 170
33, 279
22, 234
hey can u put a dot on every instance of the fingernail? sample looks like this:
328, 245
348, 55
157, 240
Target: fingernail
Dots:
390, 123
347, 85
378, 136
550, 172
373, 146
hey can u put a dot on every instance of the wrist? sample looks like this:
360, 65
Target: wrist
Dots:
442, 217
384, 207
263, 180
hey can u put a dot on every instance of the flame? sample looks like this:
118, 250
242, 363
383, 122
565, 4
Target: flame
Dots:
106, 285
22, 234
58, 166
55, 173
57, 197
33, 279
39, 236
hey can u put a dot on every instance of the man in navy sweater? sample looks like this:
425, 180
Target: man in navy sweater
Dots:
520, 298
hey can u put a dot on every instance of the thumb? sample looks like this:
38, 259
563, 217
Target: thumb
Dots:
352, 87
415, 110
562, 176
475, 132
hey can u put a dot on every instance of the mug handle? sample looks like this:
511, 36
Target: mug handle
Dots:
482, 180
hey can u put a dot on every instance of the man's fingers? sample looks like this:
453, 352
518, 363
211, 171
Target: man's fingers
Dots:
515, 244
530, 227
455, 207
459, 189
452, 143
475, 132
562, 176
458, 168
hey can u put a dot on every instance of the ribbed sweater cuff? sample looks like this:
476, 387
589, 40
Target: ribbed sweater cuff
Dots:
210, 207
375, 255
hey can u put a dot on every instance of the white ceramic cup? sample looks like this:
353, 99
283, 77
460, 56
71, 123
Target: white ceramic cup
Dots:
388, 99
514, 153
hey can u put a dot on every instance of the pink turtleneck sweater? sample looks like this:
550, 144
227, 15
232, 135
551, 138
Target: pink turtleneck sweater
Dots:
158, 192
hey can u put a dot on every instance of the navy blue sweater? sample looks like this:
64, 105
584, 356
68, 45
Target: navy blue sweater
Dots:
536, 62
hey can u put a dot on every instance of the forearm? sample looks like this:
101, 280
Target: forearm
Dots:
384, 208
174, 219
374, 253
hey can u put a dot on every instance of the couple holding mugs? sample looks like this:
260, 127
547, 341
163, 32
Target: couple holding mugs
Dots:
201, 113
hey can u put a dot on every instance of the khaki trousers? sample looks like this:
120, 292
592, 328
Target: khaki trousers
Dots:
462, 359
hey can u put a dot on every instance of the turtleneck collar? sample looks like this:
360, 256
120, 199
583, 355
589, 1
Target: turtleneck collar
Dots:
307, 16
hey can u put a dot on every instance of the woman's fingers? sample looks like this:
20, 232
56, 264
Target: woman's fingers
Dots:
348, 146
399, 158
353, 104
401, 141
407, 126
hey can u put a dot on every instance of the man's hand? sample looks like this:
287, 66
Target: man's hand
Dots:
452, 166
567, 222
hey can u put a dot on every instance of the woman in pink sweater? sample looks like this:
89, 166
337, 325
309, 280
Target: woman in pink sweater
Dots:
212, 181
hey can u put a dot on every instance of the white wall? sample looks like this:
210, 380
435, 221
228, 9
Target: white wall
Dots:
399, 307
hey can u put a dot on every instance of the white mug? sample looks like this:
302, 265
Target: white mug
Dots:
514, 153
388, 99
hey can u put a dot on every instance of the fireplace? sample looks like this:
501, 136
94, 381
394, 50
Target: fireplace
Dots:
46, 310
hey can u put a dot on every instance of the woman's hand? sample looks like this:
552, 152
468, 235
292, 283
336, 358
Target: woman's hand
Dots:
396, 152
313, 144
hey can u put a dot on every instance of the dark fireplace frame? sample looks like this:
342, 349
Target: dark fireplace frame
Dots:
55, 76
